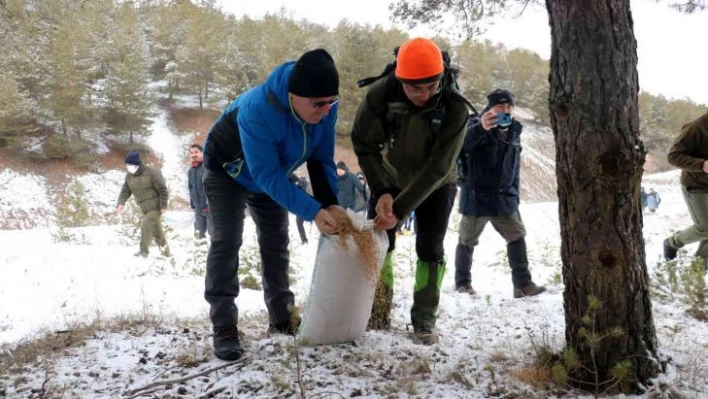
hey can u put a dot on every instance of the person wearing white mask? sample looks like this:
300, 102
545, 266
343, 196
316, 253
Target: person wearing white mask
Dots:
147, 186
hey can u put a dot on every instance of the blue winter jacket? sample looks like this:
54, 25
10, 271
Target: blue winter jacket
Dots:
653, 200
489, 184
259, 141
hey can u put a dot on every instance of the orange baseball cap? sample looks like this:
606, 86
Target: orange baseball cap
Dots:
419, 61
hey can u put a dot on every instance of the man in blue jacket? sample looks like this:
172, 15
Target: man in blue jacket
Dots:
197, 197
254, 146
491, 164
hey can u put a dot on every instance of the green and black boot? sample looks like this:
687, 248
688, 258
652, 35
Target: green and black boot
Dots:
426, 296
383, 299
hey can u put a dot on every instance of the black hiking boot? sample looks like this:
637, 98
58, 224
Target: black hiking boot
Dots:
287, 327
226, 343
669, 251
141, 254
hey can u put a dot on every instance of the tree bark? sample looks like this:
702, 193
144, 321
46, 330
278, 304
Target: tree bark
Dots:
599, 165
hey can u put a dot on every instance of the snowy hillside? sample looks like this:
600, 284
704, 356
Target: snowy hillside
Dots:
28, 200
24, 202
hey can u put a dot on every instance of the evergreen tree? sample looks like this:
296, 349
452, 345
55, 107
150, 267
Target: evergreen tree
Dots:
480, 67
126, 87
65, 61
16, 111
237, 70
199, 60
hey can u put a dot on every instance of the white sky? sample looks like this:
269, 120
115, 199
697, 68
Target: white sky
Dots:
672, 56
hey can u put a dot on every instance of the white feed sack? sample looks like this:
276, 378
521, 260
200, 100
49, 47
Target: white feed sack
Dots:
343, 285
178, 220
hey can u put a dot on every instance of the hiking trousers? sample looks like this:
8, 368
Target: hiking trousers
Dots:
513, 231
151, 227
227, 204
200, 224
697, 203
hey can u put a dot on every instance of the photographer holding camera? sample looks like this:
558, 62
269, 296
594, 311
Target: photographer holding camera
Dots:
490, 164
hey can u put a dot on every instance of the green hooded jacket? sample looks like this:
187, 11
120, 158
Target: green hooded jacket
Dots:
147, 186
689, 151
396, 148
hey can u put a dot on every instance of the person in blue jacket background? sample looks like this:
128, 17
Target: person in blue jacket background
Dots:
249, 154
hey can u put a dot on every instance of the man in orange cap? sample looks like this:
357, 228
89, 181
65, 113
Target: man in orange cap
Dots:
407, 134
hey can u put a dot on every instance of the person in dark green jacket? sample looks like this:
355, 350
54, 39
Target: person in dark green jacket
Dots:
148, 187
407, 134
690, 154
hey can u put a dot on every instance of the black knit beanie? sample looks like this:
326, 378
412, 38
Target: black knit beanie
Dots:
314, 75
133, 158
500, 96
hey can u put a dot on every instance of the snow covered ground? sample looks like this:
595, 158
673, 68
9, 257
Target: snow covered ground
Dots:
50, 289
486, 339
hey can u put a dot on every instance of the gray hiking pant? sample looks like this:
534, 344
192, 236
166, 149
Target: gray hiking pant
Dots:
513, 231
510, 227
697, 203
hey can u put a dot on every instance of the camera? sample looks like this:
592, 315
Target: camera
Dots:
503, 119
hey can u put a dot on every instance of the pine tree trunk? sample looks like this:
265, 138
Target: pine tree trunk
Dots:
599, 158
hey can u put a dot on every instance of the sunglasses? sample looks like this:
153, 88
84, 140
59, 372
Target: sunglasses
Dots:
323, 104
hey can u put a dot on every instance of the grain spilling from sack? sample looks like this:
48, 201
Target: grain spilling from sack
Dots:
380, 318
364, 241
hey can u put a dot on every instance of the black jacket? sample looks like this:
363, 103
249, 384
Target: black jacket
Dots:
197, 196
490, 164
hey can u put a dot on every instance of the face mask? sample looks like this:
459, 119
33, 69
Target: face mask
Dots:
132, 168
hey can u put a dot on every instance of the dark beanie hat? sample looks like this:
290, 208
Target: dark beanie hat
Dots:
314, 75
500, 96
133, 158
